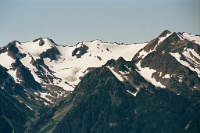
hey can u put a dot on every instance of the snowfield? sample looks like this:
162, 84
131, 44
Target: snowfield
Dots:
67, 69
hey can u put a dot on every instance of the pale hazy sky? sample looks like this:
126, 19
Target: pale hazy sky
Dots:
70, 21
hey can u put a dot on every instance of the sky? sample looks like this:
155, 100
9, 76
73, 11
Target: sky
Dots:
68, 22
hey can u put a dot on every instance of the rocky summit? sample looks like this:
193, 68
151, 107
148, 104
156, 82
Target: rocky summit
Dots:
101, 87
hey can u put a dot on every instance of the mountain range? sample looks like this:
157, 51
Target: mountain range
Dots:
97, 86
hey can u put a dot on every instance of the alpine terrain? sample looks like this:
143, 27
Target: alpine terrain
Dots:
101, 87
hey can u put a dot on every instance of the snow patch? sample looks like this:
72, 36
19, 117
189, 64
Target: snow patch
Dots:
191, 37
45, 103
166, 76
180, 78
188, 125
134, 94
6, 60
44, 96
28, 107
118, 76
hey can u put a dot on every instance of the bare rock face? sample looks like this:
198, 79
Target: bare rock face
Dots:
27, 80
99, 58
13, 114
194, 46
41, 41
8, 84
52, 53
164, 33
13, 51
151, 45
80, 51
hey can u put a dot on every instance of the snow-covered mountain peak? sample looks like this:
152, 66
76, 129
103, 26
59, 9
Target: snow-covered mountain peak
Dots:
97, 41
92, 42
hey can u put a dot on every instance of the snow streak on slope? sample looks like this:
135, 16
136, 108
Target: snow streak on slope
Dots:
147, 74
161, 39
118, 76
178, 58
134, 94
192, 56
